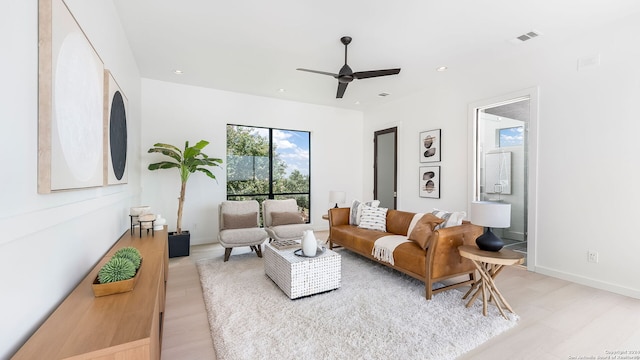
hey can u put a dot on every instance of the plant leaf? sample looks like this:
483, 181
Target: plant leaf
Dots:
176, 155
163, 165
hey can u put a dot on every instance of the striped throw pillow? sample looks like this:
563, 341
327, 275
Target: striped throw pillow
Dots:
356, 210
450, 218
373, 218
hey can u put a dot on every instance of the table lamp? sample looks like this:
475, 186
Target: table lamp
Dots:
490, 215
337, 197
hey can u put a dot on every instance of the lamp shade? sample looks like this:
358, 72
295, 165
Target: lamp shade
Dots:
490, 214
337, 197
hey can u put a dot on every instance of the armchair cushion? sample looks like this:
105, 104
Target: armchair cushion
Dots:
286, 218
240, 221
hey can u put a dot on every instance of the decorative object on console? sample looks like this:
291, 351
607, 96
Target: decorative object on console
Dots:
490, 215
119, 274
160, 222
337, 197
429, 182
147, 222
135, 213
187, 162
430, 146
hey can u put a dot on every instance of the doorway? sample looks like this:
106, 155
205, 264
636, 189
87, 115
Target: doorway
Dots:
504, 164
385, 167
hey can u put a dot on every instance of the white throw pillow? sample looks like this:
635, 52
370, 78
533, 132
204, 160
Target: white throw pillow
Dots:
356, 210
450, 218
373, 218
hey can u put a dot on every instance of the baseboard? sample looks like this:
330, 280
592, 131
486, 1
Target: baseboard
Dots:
589, 282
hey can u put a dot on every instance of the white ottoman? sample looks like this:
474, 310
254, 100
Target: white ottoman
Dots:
300, 276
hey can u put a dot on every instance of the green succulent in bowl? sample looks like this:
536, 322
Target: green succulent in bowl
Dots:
130, 253
116, 269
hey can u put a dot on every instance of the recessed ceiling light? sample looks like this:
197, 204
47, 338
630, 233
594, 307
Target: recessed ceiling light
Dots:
357, 102
281, 90
442, 68
383, 94
178, 72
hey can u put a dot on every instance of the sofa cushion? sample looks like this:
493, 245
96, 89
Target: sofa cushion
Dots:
373, 218
423, 230
286, 218
398, 222
356, 210
450, 218
240, 221
358, 239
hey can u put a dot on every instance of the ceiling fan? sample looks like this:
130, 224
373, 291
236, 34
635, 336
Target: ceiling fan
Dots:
346, 75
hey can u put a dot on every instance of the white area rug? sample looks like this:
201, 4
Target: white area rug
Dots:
377, 313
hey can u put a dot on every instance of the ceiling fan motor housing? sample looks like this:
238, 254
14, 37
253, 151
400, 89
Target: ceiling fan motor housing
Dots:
346, 74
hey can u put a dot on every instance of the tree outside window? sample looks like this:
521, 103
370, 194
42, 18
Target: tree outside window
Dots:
266, 163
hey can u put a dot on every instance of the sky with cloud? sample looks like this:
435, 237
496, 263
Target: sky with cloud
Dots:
293, 148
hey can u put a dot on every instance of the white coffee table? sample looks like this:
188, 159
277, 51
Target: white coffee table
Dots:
300, 276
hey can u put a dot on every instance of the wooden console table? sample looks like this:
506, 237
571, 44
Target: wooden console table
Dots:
489, 265
120, 326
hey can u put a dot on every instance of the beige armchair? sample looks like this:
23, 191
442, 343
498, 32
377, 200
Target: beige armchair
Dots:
238, 225
282, 220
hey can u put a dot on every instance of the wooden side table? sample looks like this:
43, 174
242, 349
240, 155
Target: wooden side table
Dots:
489, 265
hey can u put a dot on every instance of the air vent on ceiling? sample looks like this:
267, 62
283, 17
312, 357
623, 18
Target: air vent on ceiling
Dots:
526, 37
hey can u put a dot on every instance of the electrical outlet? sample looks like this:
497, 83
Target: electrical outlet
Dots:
592, 256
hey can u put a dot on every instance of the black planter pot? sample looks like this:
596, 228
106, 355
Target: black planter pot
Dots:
179, 244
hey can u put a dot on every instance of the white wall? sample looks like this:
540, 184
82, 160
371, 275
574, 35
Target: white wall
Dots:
588, 191
173, 113
50, 242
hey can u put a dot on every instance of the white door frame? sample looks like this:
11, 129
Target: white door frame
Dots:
532, 159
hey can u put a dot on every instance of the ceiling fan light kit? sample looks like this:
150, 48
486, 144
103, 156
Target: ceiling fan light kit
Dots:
346, 75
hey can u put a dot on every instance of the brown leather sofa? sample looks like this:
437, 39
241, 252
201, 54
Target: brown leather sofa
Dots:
440, 261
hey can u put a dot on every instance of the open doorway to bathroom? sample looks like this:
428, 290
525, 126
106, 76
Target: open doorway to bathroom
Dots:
503, 161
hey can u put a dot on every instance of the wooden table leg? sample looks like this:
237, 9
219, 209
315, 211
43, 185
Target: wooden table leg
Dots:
488, 286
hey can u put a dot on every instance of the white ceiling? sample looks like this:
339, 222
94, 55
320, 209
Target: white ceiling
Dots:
254, 46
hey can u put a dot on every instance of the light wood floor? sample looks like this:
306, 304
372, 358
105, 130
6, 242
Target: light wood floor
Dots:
558, 319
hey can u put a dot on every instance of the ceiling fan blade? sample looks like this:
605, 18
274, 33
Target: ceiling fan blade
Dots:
341, 88
319, 72
375, 73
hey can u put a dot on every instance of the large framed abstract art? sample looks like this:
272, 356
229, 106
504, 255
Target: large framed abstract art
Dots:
115, 132
70, 103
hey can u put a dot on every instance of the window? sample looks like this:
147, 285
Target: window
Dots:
265, 163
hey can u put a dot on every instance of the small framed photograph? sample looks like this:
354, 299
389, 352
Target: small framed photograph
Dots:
430, 146
429, 182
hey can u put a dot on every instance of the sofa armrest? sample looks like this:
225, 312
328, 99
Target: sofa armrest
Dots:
338, 216
443, 255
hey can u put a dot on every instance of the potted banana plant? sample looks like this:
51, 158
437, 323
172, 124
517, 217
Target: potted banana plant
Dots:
187, 161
